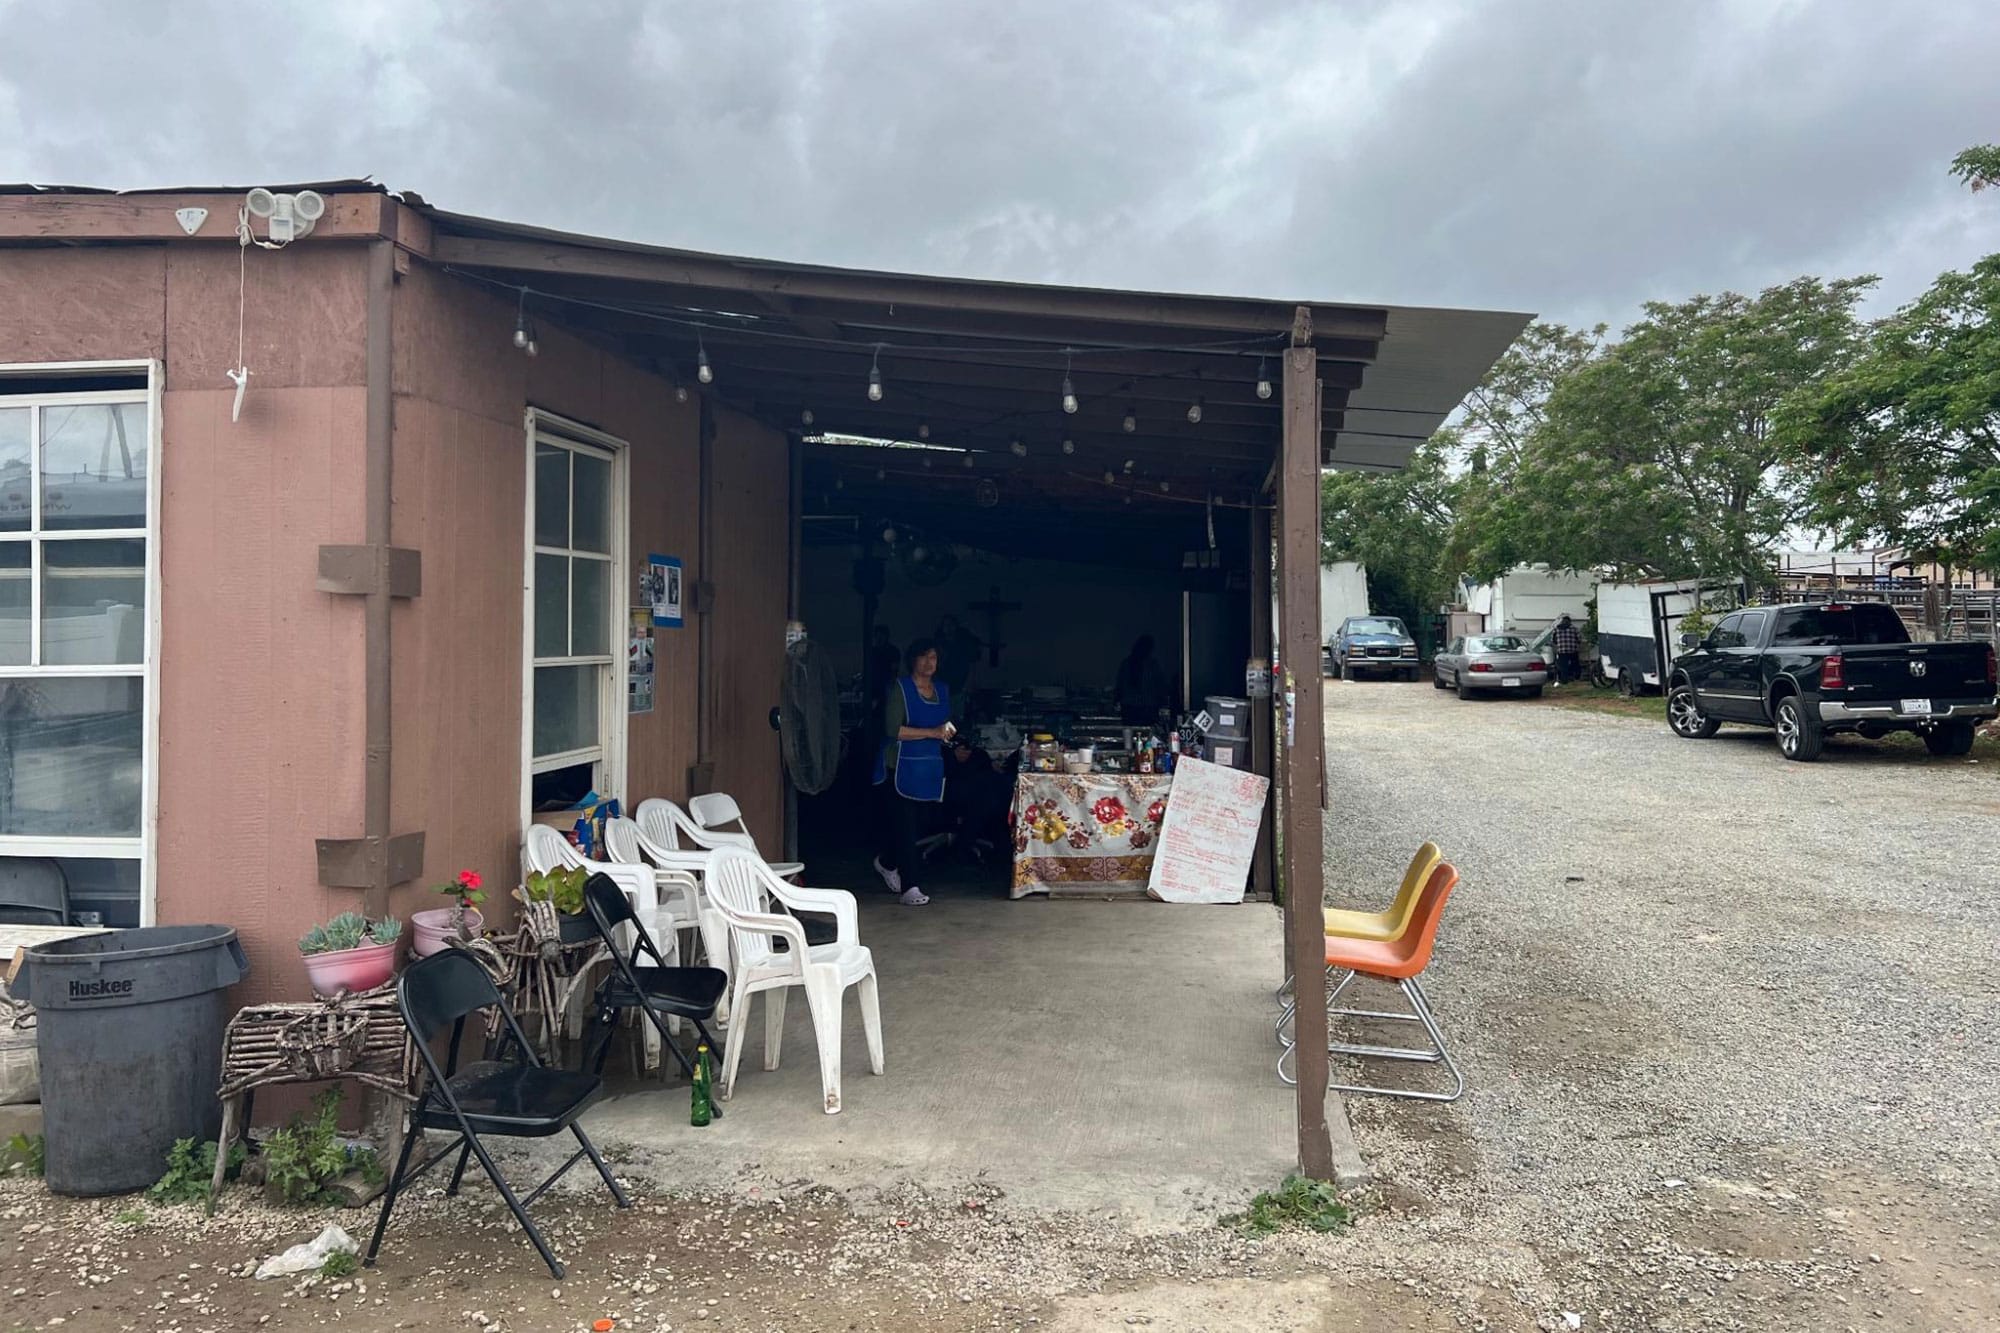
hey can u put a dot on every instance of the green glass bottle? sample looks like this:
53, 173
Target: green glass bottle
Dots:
702, 1107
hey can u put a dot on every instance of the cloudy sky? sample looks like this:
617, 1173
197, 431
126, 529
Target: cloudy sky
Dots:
1571, 158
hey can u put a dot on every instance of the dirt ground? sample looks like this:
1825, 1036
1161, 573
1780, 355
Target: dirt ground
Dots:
1723, 1022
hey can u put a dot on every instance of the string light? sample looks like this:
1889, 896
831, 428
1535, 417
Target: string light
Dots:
521, 321
924, 429
680, 391
1109, 476
1069, 388
968, 458
806, 417
531, 349
1263, 380
1069, 445
1131, 420
702, 370
875, 376
1194, 412
1163, 488
1128, 467
1017, 449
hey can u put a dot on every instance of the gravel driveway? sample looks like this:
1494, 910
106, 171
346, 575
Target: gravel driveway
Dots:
1727, 1022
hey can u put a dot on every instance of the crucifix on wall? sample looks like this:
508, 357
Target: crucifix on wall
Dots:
994, 609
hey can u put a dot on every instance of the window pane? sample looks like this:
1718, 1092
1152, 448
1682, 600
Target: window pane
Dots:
70, 757
565, 709
551, 606
15, 506
93, 603
108, 887
592, 531
590, 623
94, 466
15, 602
551, 496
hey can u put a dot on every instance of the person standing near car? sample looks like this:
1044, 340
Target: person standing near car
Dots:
1567, 643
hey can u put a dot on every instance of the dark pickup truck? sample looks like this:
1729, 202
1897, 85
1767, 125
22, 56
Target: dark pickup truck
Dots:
1810, 670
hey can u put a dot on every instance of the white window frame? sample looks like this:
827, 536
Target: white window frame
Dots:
144, 847
548, 428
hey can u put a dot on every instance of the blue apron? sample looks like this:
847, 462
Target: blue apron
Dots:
919, 764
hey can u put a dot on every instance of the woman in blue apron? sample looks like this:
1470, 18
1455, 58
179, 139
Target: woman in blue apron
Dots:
909, 769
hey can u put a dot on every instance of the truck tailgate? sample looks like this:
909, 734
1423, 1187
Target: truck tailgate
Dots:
1892, 671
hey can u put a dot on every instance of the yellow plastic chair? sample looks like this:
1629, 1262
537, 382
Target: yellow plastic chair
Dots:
1388, 925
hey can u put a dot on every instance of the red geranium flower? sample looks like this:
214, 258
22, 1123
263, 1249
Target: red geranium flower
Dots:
469, 878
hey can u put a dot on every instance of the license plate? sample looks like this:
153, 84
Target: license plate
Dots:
1510, 682
1915, 708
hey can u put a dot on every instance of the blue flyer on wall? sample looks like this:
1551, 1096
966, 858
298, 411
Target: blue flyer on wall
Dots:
663, 589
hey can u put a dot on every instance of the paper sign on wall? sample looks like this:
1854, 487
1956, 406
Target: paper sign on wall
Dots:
1209, 835
639, 662
662, 590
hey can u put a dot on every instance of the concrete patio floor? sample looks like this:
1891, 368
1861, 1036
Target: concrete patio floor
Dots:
1103, 1057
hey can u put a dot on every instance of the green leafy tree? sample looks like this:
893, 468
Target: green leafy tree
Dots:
1657, 457
1502, 414
1903, 447
1978, 166
1398, 524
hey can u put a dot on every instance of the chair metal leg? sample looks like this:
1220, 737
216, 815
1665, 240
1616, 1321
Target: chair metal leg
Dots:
514, 1205
389, 1195
458, 1172
597, 1160
1420, 1013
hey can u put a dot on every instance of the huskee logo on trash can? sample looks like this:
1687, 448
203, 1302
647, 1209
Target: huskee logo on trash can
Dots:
99, 990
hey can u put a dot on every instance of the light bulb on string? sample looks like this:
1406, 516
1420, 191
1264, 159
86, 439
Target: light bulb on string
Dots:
1128, 467
702, 370
875, 376
923, 430
968, 458
1131, 420
1194, 412
521, 321
1069, 388
1263, 380
531, 349
806, 416
888, 534
1016, 448
1069, 445
1163, 488
1109, 476
680, 392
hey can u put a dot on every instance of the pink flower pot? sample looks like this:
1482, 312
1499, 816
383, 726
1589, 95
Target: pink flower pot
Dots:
431, 929
351, 970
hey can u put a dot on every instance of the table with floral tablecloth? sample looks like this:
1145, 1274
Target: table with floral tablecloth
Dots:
1083, 832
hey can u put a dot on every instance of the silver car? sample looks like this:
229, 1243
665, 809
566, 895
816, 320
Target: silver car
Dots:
1497, 662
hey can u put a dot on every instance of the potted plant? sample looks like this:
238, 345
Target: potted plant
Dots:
562, 888
350, 953
437, 926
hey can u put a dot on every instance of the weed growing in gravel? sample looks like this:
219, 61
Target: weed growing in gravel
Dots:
1312, 1204
338, 1264
26, 1153
190, 1167
131, 1217
306, 1156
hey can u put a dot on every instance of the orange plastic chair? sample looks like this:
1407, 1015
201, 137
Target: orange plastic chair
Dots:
1401, 961
1388, 924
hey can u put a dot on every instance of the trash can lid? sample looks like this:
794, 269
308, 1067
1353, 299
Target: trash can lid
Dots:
143, 942
149, 965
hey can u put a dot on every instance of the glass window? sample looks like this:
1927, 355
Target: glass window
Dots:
74, 643
1832, 625
1729, 634
575, 698
94, 459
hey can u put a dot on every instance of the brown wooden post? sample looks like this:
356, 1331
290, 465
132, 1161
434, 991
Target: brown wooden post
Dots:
1303, 846
1263, 876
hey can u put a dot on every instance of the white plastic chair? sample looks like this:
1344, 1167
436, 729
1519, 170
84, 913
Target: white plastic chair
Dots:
717, 814
544, 849
740, 886
677, 877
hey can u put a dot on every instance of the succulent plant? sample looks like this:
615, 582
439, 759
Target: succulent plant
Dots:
314, 941
386, 931
346, 931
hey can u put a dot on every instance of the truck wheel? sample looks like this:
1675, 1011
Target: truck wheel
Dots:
1799, 735
1346, 671
1413, 674
1953, 738
1685, 716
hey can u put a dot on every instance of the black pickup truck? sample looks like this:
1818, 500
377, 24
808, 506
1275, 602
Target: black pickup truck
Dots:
1810, 670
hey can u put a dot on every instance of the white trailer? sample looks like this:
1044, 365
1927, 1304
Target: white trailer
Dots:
1343, 592
1638, 625
1529, 598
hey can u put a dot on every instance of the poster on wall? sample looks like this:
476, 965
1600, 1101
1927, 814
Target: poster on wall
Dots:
663, 589
1209, 834
639, 662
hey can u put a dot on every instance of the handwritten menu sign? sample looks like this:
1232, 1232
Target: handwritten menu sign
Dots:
1209, 835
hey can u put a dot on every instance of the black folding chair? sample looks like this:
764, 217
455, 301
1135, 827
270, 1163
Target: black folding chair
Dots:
513, 1099
653, 988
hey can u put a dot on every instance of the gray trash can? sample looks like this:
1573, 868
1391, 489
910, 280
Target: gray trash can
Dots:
130, 1039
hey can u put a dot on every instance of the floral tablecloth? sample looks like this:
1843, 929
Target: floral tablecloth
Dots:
1086, 831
